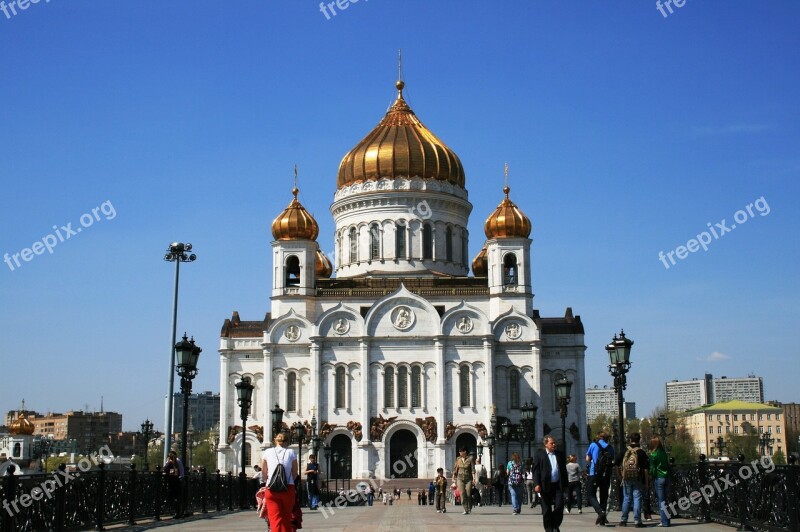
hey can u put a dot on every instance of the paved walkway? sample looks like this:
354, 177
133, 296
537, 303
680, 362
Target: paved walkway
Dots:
409, 517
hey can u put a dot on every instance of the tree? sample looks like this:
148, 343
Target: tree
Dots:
746, 444
778, 458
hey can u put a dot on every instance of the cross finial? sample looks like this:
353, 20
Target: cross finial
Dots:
399, 64
505, 173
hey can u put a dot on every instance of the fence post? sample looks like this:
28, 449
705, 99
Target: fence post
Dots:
230, 491
702, 472
9, 495
157, 494
204, 491
793, 489
218, 482
100, 500
60, 497
132, 496
742, 497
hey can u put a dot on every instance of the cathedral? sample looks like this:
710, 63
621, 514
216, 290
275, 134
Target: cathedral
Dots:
393, 355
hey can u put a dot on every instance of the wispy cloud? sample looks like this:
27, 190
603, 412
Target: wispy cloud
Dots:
732, 129
716, 356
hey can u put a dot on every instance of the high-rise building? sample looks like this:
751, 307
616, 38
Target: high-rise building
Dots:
203, 411
401, 356
685, 395
604, 401
748, 389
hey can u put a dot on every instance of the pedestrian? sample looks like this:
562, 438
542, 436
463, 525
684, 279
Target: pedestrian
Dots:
409, 493
516, 482
464, 476
258, 477
431, 493
174, 471
384, 497
440, 487
659, 473
634, 468
370, 495
480, 475
533, 497
312, 481
600, 465
280, 504
499, 480
574, 494
550, 481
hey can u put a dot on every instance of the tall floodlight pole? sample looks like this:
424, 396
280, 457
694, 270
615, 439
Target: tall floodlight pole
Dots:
177, 252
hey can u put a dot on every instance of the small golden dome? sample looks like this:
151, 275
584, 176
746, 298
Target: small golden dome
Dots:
295, 223
322, 265
480, 264
21, 426
400, 146
507, 221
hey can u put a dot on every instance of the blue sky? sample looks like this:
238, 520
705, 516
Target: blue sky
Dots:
626, 132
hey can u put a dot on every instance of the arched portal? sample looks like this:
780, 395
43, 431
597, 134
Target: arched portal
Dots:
469, 441
341, 457
403, 454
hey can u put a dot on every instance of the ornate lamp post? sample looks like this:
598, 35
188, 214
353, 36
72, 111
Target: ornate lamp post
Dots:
300, 433
563, 387
505, 431
529, 423
316, 442
721, 446
277, 420
490, 439
187, 354
480, 451
147, 430
619, 355
327, 449
244, 394
765, 442
177, 252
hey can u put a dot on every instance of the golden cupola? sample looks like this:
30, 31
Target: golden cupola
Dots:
507, 221
295, 223
322, 265
480, 264
21, 426
400, 146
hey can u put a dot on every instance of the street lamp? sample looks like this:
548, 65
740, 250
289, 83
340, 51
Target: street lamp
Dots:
300, 433
244, 394
505, 431
619, 355
480, 451
721, 446
187, 354
177, 252
277, 420
529, 423
147, 430
563, 387
490, 439
316, 444
765, 442
327, 449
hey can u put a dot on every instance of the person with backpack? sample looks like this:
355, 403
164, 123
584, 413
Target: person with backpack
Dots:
600, 462
280, 464
634, 468
499, 481
516, 482
550, 481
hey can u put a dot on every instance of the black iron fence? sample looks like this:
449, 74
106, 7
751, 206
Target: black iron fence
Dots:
91, 499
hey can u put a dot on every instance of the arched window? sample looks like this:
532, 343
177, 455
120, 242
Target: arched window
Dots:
388, 387
402, 387
427, 242
340, 387
353, 245
247, 457
416, 387
463, 381
448, 244
291, 392
513, 388
510, 270
292, 271
400, 241
374, 242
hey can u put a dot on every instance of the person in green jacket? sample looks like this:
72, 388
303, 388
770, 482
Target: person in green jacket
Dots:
659, 472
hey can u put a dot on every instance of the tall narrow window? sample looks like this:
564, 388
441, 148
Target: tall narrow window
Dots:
291, 392
416, 387
510, 270
339, 255
448, 244
292, 271
374, 242
427, 242
464, 251
402, 387
247, 458
353, 245
400, 241
463, 381
388, 387
340, 387
513, 388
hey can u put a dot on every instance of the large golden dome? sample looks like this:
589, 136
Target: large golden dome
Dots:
507, 221
295, 223
480, 264
400, 146
21, 426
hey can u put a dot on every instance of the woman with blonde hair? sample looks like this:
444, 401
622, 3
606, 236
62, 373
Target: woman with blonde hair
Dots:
575, 493
280, 503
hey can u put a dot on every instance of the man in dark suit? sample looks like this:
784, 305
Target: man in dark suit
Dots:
550, 481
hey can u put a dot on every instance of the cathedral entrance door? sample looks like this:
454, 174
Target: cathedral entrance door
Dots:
466, 440
403, 455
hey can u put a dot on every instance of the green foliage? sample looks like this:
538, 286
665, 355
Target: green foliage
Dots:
778, 458
746, 444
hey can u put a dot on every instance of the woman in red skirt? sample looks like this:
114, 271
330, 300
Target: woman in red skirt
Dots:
280, 503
